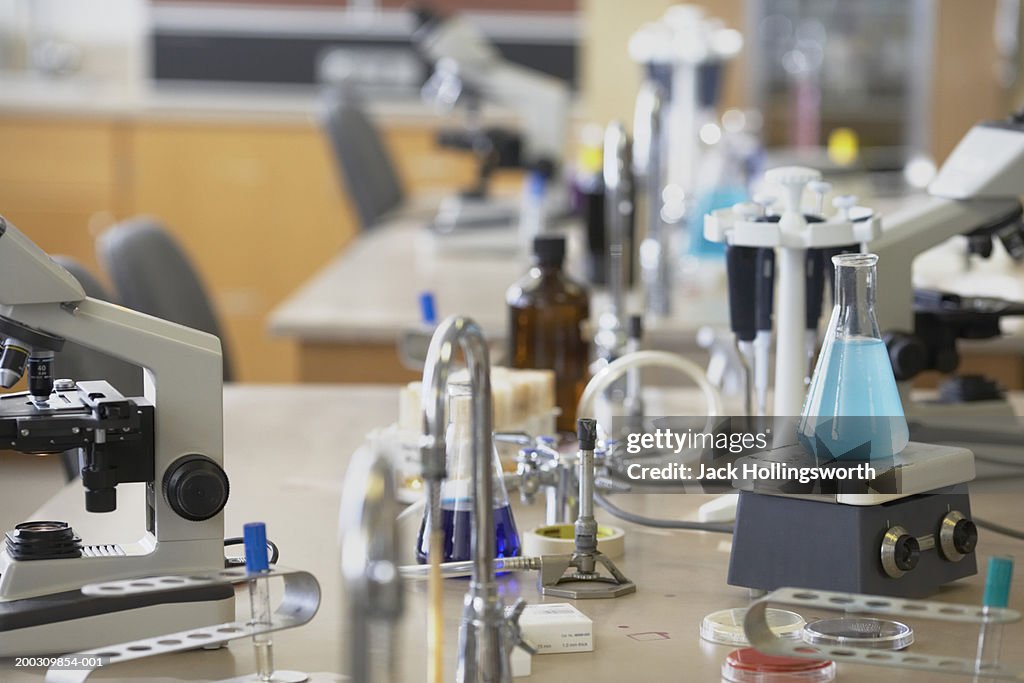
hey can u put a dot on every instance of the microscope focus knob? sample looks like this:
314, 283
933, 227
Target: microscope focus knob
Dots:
196, 487
907, 353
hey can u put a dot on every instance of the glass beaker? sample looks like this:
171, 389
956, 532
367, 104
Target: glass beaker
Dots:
853, 409
457, 490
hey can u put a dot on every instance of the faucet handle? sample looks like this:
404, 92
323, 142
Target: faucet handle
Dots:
512, 614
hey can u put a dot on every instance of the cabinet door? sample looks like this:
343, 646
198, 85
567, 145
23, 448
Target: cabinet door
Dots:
59, 184
258, 208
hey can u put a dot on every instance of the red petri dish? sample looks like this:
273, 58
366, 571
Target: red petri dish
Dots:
750, 666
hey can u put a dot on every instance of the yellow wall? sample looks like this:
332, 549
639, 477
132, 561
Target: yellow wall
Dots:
964, 87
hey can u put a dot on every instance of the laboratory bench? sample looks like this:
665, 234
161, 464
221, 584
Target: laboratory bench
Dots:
286, 452
346, 319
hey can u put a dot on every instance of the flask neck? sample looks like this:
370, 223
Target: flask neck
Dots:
855, 289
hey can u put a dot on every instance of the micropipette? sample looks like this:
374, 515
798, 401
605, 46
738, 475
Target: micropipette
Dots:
765, 288
256, 562
815, 293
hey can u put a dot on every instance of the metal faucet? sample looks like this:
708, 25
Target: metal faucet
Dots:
655, 250
618, 200
369, 565
487, 634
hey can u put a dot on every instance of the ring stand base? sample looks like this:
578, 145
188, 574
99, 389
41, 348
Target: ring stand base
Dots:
556, 580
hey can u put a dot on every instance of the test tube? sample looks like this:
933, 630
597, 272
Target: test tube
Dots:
256, 563
997, 596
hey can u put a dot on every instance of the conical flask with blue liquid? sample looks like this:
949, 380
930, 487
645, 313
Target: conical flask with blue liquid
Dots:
457, 490
853, 409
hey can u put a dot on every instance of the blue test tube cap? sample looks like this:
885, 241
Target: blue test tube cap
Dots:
997, 583
428, 310
255, 536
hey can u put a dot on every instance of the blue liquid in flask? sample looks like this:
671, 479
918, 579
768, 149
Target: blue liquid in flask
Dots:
853, 409
457, 521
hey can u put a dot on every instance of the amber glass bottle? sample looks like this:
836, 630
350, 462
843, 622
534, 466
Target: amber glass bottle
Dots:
547, 325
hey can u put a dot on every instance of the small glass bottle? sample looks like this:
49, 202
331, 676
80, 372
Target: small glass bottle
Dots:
457, 490
548, 313
853, 409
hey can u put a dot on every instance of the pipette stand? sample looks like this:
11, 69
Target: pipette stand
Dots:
791, 237
913, 534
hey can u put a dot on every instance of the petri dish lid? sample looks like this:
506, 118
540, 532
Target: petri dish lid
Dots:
750, 666
868, 632
725, 627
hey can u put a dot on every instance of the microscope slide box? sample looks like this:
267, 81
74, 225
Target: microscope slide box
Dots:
557, 627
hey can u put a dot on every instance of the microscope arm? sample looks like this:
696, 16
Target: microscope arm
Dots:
541, 101
183, 378
28, 275
908, 232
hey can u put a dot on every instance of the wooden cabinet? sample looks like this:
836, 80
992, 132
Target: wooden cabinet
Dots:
259, 210
61, 181
258, 207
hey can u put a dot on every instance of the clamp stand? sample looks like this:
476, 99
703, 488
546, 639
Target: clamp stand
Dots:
554, 579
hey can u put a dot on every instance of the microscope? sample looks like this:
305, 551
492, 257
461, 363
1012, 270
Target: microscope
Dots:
171, 440
468, 70
976, 193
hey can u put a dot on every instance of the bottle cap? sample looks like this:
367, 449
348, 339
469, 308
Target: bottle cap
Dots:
549, 249
586, 431
750, 666
428, 309
255, 536
636, 327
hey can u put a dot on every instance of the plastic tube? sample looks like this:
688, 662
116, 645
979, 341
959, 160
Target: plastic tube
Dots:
617, 368
256, 562
997, 596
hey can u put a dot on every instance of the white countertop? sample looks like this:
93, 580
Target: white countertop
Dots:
287, 449
369, 293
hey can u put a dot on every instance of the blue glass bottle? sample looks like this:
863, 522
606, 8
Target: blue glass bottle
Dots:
853, 409
457, 491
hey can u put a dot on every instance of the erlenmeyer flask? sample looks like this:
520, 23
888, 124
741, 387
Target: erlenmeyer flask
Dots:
457, 490
853, 409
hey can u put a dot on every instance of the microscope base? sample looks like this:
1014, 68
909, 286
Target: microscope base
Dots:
71, 622
784, 541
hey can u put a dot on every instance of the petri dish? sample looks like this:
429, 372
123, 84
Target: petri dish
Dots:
750, 666
725, 627
866, 632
